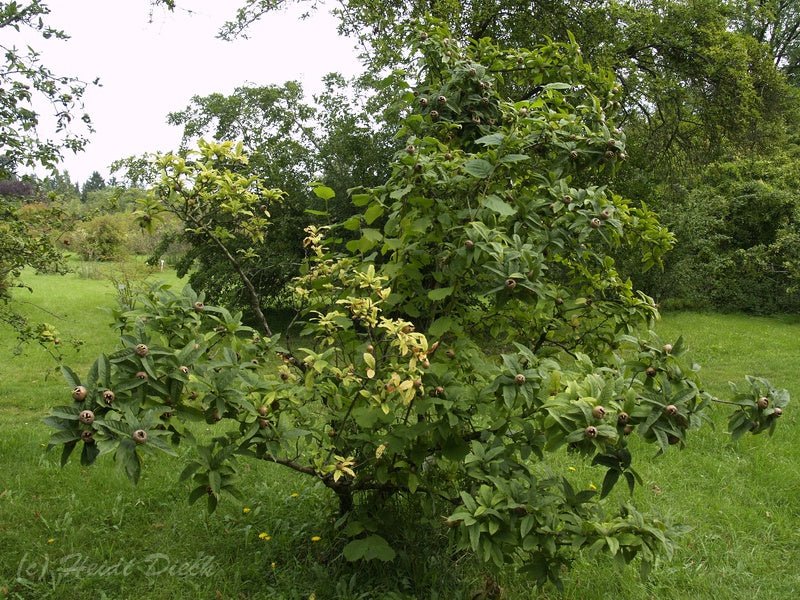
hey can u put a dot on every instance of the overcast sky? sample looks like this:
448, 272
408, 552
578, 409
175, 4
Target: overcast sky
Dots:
148, 69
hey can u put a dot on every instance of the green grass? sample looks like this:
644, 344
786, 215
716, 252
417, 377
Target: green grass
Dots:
740, 501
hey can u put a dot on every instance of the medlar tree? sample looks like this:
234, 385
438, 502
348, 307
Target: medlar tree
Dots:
476, 325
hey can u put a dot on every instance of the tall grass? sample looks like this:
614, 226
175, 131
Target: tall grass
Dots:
87, 533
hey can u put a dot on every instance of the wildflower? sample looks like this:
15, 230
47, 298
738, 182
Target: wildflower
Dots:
273, 565
264, 536
246, 509
593, 487
571, 469
294, 494
51, 541
315, 538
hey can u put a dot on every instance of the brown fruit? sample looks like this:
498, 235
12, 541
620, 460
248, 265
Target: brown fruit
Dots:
139, 436
567, 199
763, 402
109, 397
411, 149
86, 417
595, 223
573, 155
423, 102
199, 307
141, 375
184, 369
450, 353
448, 156
622, 418
778, 411
418, 383
284, 376
671, 410
79, 393
142, 350
651, 371
667, 348
263, 423
511, 283
438, 391
523, 112
598, 412
519, 379
442, 100
605, 214
590, 432
559, 301
469, 244
673, 439
435, 115
628, 429
263, 410
426, 364
87, 437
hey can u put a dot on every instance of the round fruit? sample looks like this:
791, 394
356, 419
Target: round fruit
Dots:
442, 100
778, 411
79, 393
673, 439
108, 397
671, 410
519, 379
142, 350
438, 391
87, 437
469, 244
523, 112
573, 155
86, 417
622, 418
141, 375
423, 102
411, 149
559, 301
184, 369
595, 223
435, 115
590, 432
263, 410
199, 307
511, 283
598, 412
418, 383
426, 364
139, 436
567, 199
448, 156
263, 423
450, 353
284, 376
605, 214
628, 429
763, 402
651, 371
667, 348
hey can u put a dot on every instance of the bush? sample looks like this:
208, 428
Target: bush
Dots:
103, 237
475, 325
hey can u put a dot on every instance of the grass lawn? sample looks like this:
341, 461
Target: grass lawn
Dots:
87, 533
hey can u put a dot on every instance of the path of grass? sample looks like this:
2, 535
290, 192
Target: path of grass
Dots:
741, 501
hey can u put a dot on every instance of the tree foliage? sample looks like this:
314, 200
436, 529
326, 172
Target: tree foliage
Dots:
475, 325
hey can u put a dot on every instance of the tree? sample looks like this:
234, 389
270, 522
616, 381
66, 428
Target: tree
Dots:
93, 184
289, 144
475, 325
22, 78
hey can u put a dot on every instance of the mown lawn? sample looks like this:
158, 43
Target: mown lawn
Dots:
87, 533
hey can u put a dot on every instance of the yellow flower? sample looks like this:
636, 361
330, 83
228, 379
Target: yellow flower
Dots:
246, 509
294, 494
571, 469
315, 538
593, 487
51, 541
273, 565
264, 536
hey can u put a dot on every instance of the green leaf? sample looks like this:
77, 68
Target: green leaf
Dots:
324, 192
371, 547
373, 212
72, 379
440, 293
499, 206
478, 167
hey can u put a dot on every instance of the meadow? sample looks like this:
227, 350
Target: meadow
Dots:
77, 532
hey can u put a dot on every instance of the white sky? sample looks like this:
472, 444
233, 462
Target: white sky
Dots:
148, 69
